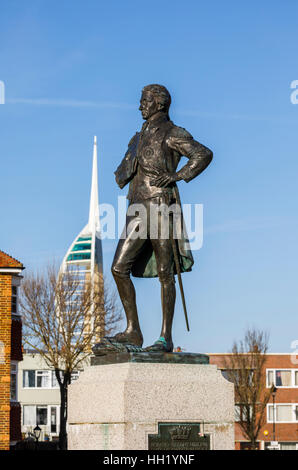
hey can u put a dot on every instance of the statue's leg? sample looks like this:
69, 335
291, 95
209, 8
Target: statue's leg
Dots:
165, 266
126, 253
168, 298
127, 293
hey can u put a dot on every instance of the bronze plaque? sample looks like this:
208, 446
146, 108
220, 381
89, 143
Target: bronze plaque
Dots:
179, 436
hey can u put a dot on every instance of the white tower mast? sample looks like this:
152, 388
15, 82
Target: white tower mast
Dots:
84, 255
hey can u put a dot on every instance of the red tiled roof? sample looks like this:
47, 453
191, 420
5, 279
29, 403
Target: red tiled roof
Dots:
7, 261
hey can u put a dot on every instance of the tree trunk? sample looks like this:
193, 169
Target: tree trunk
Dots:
253, 443
63, 411
63, 418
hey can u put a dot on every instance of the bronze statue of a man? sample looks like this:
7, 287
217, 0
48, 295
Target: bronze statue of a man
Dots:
150, 166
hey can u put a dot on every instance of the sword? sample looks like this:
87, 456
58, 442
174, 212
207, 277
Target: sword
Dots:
175, 252
177, 265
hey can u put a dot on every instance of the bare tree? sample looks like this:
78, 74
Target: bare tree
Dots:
245, 367
62, 319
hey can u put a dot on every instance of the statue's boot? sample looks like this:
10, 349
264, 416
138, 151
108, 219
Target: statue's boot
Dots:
106, 347
128, 337
161, 345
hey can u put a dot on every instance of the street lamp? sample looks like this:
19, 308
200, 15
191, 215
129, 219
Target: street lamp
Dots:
274, 390
37, 432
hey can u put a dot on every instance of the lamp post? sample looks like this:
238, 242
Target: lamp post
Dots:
274, 390
37, 432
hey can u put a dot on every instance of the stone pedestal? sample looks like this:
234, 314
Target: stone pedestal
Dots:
116, 406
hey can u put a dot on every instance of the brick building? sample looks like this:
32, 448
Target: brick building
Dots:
281, 370
10, 350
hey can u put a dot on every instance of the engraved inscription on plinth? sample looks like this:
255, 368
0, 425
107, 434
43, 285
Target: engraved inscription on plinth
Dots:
179, 436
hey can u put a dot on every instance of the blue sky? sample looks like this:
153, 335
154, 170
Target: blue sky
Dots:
74, 69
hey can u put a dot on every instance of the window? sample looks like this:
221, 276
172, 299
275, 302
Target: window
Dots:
282, 377
42, 415
54, 380
28, 378
247, 446
37, 378
270, 378
14, 298
43, 379
79, 269
237, 413
241, 412
284, 413
232, 375
53, 419
29, 415
81, 256
74, 376
238, 375
33, 415
288, 445
81, 247
283, 445
13, 381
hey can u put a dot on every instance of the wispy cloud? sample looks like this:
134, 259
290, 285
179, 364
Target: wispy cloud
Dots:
69, 103
73, 103
235, 116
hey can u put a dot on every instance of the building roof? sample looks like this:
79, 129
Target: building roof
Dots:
266, 354
7, 261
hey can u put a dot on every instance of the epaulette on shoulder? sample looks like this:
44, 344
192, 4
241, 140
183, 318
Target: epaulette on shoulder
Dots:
180, 133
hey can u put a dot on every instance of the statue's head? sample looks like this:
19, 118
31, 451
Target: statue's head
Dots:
154, 98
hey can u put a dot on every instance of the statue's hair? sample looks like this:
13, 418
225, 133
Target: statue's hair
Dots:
161, 93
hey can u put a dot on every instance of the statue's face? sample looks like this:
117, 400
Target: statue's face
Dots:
148, 105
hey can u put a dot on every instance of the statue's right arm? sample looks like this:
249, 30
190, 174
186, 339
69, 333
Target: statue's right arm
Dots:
127, 168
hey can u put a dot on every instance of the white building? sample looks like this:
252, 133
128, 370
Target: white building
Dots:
39, 395
85, 253
84, 256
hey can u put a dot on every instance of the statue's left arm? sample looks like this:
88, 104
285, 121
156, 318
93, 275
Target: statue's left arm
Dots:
199, 156
184, 144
